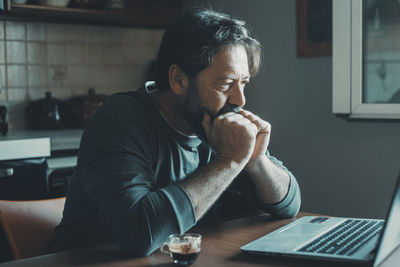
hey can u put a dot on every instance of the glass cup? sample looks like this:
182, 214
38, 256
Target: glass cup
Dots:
183, 249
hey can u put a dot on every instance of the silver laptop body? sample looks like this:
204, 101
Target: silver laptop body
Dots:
334, 238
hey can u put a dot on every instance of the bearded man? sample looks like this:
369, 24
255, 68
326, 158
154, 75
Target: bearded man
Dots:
179, 152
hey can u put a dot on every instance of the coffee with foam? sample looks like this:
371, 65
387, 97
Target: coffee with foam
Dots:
185, 245
184, 249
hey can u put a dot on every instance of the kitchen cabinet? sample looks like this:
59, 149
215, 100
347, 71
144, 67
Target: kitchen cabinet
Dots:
23, 167
138, 13
37, 164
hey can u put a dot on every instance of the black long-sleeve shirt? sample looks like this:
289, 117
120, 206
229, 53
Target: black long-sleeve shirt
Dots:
125, 186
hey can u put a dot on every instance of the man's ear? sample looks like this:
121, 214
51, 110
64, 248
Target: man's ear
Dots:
178, 81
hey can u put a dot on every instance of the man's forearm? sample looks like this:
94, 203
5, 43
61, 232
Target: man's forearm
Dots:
271, 181
206, 184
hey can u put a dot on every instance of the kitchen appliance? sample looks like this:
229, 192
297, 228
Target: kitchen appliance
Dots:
46, 113
37, 164
23, 167
23, 179
83, 107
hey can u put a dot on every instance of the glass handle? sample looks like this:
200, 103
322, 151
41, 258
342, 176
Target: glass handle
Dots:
165, 249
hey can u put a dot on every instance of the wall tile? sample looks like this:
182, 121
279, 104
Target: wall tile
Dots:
18, 124
95, 35
2, 35
112, 35
37, 53
129, 76
68, 59
17, 103
16, 52
75, 91
56, 54
75, 33
113, 55
77, 76
55, 32
95, 54
3, 98
2, 52
114, 80
15, 31
18, 95
16, 112
37, 76
156, 36
57, 76
3, 88
16, 76
108, 90
138, 54
61, 93
136, 36
36, 31
76, 54
98, 76
37, 93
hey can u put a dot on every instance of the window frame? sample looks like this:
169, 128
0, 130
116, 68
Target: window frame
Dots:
347, 77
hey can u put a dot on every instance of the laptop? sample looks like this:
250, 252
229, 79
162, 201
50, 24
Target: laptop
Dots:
335, 238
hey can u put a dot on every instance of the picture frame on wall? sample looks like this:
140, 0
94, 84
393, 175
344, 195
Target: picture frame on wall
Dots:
314, 28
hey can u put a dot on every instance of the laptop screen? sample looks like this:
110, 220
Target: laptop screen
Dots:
390, 238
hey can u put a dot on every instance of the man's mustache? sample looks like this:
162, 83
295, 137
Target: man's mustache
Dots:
225, 109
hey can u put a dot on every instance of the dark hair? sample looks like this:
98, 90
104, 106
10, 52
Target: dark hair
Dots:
194, 38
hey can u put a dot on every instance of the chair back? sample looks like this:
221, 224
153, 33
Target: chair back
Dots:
29, 225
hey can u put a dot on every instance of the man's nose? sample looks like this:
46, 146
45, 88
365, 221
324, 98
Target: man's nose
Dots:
236, 96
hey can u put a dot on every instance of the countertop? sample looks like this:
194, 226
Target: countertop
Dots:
66, 139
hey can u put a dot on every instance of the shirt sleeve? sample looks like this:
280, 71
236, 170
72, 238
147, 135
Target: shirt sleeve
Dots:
290, 205
117, 175
240, 200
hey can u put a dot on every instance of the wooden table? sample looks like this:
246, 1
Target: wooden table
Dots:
220, 247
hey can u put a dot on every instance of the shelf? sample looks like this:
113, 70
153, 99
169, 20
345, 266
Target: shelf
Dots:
140, 13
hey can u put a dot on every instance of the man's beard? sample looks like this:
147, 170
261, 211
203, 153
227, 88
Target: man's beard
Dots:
193, 110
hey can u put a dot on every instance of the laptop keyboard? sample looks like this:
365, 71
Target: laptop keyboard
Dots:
346, 238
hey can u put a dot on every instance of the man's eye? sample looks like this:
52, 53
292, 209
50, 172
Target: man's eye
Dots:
225, 86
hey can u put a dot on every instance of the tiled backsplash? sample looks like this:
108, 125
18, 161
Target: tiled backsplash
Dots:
67, 60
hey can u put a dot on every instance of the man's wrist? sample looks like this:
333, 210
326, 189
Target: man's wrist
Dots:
256, 165
229, 162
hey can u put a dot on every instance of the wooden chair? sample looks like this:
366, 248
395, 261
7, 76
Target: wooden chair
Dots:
29, 225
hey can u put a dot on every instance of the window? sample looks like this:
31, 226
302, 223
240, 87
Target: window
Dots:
366, 58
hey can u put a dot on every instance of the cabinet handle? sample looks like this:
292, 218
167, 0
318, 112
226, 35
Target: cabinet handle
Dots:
7, 172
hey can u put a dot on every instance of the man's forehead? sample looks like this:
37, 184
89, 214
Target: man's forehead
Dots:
230, 62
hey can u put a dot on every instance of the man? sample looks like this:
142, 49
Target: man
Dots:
156, 162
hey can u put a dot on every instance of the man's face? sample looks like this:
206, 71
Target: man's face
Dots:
218, 88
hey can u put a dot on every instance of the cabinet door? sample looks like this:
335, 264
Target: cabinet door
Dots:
23, 179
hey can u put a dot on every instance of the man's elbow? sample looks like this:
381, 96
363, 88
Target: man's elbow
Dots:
140, 235
141, 244
291, 210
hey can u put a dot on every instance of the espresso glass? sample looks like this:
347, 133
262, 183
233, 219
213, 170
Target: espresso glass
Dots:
183, 249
